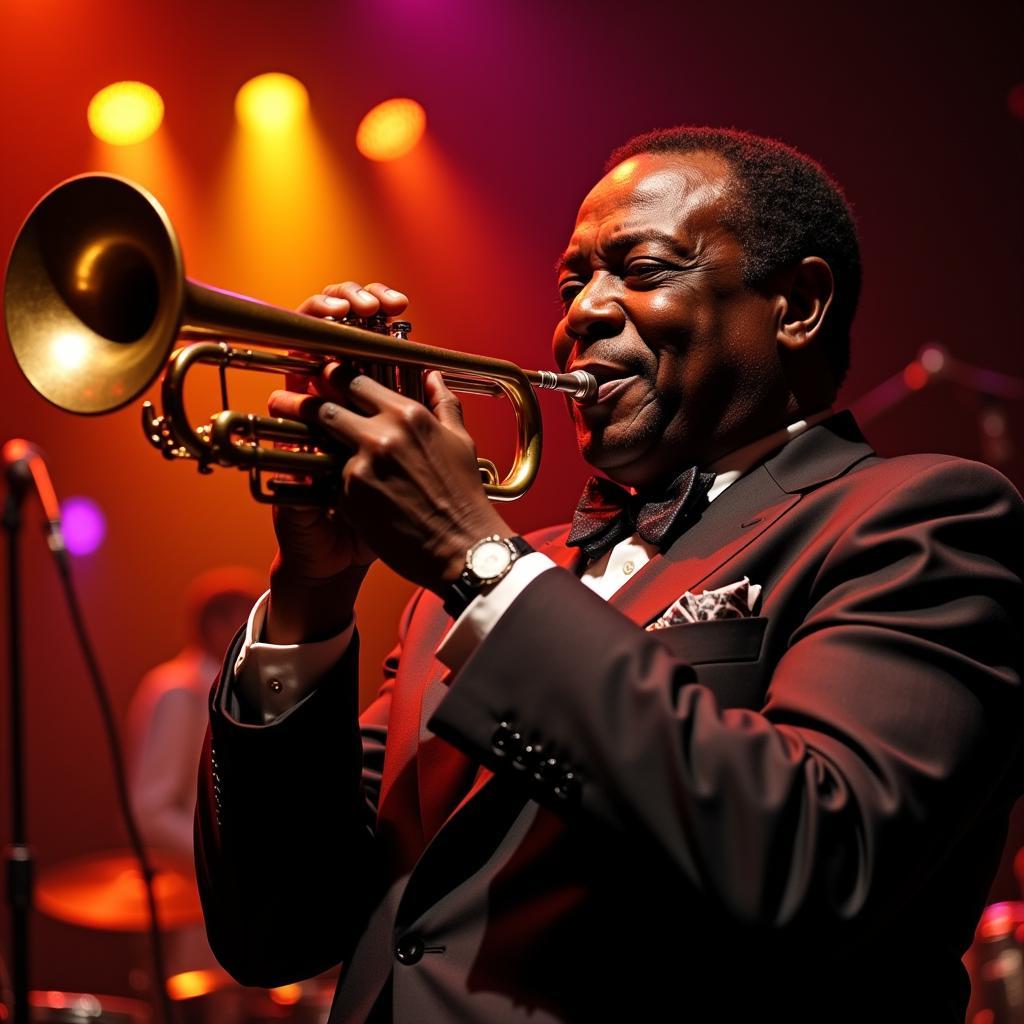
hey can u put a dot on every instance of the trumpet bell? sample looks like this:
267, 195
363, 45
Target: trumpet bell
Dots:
94, 293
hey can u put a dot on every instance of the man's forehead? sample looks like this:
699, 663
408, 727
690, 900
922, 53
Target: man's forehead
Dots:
670, 191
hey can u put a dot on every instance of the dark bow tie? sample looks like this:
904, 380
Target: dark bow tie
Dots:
608, 513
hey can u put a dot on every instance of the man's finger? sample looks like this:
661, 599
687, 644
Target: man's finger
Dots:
290, 405
443, 403
325, 305
392, 302
362, 302
367, 394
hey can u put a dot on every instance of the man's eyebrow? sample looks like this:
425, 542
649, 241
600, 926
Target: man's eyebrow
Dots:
624, 240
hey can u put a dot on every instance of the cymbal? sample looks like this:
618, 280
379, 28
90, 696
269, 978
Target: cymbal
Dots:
105, 890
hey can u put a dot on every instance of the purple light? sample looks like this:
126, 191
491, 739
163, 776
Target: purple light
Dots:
84, 525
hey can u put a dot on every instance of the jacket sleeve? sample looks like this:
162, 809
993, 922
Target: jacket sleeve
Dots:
892, 717
285, 825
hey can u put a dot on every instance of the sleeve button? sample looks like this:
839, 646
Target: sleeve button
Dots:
526, 757
501, 739
409, 950
546, 770
567, 788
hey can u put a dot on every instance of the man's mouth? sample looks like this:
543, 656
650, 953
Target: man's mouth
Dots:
610, 388
610, 379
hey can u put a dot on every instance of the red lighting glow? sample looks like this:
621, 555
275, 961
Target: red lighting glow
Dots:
915, 376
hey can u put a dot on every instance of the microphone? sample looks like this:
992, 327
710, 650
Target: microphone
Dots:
24, 467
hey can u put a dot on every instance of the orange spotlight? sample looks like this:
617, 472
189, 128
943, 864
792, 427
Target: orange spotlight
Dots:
286, 995
125, 113
391, 129
190, 984
271, 102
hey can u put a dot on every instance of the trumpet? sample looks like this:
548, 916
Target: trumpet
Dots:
96, 298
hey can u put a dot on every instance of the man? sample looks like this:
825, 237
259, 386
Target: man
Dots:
790, 806
167, 721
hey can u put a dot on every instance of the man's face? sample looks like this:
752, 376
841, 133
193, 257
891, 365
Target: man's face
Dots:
656, 309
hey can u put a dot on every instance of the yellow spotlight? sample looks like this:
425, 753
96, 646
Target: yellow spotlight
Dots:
391, 129
271, 102
125, 113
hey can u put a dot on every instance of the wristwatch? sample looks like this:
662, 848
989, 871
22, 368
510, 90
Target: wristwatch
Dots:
487, 561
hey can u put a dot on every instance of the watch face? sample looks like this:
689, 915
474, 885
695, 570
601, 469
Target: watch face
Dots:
490, 559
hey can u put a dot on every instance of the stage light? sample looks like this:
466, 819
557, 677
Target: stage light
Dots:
125, 113
286, 995
190, 984
84, 525
271, 102
915, 376
391, 129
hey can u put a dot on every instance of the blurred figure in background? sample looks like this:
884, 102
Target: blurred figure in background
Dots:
166, 724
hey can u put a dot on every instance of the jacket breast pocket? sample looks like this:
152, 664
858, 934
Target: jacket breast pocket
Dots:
726, 656
715, 640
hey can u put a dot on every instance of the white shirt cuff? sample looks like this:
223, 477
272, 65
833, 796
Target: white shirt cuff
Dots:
470, 628
273, 678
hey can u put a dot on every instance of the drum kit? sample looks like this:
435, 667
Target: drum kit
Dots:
106, 891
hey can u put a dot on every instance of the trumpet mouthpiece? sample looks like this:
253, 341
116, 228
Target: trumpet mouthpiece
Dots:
580, 386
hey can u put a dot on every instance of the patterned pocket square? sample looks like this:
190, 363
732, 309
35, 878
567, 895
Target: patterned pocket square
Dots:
734, 601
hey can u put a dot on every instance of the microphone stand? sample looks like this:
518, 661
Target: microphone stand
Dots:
19, 857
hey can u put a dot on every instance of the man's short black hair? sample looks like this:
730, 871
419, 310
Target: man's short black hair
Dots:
787, 207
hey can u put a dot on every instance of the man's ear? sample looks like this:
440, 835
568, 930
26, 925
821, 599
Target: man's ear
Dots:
805, 296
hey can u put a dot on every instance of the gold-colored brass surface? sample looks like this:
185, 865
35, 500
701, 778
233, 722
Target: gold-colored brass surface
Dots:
93, 294
96, 298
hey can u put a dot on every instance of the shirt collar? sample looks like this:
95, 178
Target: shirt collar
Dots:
730, 467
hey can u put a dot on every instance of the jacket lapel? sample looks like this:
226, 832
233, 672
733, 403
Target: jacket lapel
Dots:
742, 512
732, 521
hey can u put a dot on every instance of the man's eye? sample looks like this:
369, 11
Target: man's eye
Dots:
644, 268
569, 291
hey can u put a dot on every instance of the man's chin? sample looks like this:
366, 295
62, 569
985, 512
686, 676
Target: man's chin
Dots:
639, 463
617, 461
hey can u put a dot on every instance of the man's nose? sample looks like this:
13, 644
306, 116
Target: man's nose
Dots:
595, 311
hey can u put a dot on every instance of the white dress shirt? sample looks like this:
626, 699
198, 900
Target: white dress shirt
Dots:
275, 677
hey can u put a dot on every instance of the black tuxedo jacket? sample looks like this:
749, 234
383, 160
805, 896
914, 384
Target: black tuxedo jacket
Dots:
792, 815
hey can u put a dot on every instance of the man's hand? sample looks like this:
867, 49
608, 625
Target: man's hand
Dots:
321, 559
411, 488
